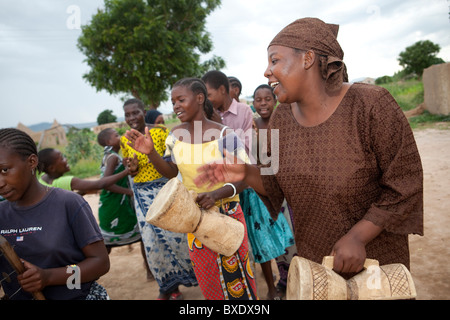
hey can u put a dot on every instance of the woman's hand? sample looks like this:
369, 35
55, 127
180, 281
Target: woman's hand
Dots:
350, 251
206, 200
33, 279
349, 255
140, 142
132, 165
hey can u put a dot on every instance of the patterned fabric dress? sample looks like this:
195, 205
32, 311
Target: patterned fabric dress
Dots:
116, 213
166, 251
361, 163
219, 277
269, 238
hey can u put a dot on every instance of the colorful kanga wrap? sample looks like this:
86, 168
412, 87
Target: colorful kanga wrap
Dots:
117, 218
219, 277
97, 292
166, 251
268, 237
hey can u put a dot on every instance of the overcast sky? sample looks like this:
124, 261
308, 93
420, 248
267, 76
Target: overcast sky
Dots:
41, 68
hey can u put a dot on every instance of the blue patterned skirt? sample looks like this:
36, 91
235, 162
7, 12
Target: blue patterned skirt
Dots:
268, 238
167, 252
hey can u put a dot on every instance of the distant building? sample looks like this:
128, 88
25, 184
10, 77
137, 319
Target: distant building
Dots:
113, 125
50, 138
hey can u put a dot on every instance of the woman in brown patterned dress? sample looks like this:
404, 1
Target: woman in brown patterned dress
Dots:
348, 162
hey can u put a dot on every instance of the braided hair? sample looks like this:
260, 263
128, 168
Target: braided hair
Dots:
197, 86
235, 83
17, 141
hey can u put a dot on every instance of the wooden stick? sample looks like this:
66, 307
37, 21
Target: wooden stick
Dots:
15, 262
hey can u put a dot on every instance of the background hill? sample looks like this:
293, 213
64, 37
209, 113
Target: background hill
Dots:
46, 125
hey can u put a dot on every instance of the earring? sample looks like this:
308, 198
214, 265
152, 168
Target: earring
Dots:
33, 171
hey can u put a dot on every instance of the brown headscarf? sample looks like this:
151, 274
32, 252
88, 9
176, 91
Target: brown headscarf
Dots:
320, 37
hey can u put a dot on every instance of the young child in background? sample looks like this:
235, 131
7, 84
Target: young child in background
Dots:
219, 277
117, 217
53, 166
49, 228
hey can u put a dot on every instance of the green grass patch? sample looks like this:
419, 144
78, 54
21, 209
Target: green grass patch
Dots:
408, 94
426, 119
85, 168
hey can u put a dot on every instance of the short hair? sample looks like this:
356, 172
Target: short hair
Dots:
104, 135
46, 158
216, 79
139, 102
265, 86
235, 83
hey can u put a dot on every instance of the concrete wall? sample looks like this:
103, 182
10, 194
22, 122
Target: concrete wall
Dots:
436, 84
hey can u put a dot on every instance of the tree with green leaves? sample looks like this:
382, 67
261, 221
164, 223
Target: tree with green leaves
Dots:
419, 56
142, 47
106, 116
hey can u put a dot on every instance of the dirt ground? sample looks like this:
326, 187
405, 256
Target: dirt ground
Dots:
430, 254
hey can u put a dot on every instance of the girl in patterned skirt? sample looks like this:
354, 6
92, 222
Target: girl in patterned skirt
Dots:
194, 142
166, 251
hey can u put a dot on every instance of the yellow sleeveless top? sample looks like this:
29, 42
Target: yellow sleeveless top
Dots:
189, 157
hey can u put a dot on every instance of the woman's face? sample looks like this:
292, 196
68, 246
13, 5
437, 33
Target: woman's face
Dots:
134, 117
285, 73
15, 174
264, 102
59, 164
186, 105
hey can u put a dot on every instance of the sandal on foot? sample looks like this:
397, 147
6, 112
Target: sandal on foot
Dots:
176, 296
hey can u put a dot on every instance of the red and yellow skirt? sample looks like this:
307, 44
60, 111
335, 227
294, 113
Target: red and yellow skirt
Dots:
221, 277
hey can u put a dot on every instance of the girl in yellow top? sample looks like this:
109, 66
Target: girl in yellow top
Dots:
166, 252
194, 142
